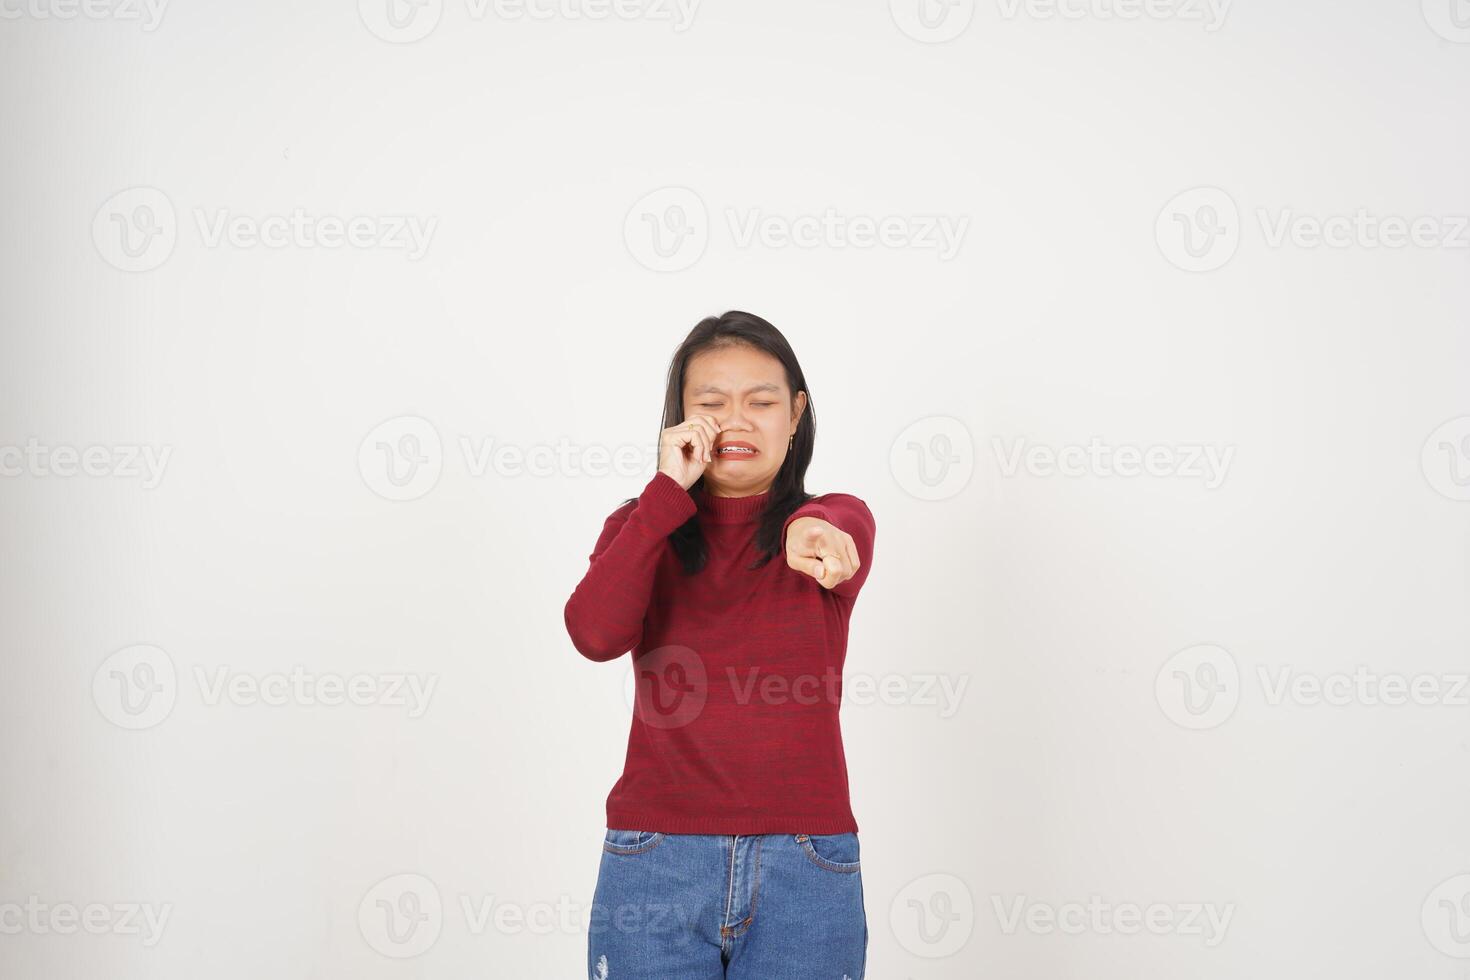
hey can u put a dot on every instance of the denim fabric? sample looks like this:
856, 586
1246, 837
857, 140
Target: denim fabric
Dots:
722, 907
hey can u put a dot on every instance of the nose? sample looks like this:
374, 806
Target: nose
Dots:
733, 421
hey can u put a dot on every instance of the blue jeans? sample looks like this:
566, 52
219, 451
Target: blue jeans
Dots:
722, 907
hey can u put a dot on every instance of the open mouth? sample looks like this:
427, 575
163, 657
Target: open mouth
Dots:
736, 450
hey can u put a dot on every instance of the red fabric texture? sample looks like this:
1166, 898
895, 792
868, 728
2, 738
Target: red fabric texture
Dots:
739, 670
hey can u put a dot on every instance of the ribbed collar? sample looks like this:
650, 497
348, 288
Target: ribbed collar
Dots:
730, 510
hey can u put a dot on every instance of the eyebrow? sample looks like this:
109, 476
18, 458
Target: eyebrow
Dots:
717, 390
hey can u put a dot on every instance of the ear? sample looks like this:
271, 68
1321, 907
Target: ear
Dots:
798, 406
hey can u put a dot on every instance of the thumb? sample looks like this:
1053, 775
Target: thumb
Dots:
834, 565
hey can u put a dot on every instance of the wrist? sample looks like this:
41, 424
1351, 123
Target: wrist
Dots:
682, 484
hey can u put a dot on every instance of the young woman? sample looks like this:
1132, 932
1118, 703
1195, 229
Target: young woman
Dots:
731, 850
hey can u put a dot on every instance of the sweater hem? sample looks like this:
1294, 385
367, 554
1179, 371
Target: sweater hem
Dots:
763, 824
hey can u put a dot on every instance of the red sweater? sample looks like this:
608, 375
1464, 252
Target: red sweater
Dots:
739, 672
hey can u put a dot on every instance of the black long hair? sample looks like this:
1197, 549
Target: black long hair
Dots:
787, 491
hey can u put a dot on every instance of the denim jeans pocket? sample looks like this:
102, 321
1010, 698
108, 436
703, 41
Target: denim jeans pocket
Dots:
834, 852
630, 841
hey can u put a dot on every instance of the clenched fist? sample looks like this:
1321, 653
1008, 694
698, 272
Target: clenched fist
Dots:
820, 549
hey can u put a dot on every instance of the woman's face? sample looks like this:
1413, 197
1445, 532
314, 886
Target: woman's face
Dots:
744, 390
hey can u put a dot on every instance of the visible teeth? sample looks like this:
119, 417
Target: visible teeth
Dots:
735, 449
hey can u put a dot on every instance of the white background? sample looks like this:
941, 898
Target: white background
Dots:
541, 315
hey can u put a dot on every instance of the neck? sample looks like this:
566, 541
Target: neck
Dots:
718, 507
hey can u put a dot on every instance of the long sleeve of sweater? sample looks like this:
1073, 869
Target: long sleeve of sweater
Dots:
846, 513
604, 615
